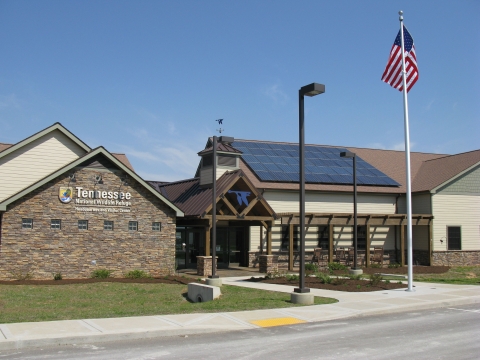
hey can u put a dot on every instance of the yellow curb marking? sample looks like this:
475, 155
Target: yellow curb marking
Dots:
277, 322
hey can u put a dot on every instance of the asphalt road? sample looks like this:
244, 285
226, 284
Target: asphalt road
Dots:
446, 333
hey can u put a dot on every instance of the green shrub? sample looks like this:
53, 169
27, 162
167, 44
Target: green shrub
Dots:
336, 266
137, 274
376, 266
339, 281
359, 286
290, 277
387, 281
274, 274
57, 276
311, 267
393, 265
324, 278
375, 279
20, 276
101, 273
355, 277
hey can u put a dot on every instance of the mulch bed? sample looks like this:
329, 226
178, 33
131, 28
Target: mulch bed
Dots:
357, 285
179, 280
340, 285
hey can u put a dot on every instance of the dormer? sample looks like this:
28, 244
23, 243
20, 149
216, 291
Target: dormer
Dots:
228, 159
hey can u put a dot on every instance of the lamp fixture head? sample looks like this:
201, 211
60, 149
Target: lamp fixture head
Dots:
347, 154
312, 89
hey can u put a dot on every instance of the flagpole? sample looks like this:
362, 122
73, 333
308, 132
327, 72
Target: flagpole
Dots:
407, 162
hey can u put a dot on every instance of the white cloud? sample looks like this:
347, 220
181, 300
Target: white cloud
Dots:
275, 93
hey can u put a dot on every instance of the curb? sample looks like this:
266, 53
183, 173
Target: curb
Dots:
12, 344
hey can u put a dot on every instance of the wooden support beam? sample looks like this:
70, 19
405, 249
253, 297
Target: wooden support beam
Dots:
330, 243
430, 243
229, 205
367, 244
249, 207
269, 239
207, 239
261, 238
290, 247
402, 245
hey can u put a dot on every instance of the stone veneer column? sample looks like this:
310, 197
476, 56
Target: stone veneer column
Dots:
268, 263
204, 265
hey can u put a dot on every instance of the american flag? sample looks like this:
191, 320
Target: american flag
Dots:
393, 71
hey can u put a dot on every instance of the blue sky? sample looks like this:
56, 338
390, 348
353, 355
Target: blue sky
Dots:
149, 78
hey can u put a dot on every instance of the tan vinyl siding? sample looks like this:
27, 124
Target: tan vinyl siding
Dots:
420, 237
331, 203
421, 204
36, 160
342, 237
456, 210
468, 183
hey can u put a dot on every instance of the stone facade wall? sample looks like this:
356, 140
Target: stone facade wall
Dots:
42, 251
455, 258
268, 263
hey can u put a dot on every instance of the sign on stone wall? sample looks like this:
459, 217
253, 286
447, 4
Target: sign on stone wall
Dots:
87, 200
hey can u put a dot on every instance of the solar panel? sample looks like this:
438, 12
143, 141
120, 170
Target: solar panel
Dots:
323, 165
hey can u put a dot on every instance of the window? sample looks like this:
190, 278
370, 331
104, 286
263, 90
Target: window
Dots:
361, 237
323, 241
56, 224
133, 225
286, 235
156, 226
108, 225
27, 223
454, 238
82, 224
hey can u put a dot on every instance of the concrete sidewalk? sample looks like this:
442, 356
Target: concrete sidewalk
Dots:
426, 296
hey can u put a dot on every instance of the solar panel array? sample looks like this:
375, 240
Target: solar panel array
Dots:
323, 165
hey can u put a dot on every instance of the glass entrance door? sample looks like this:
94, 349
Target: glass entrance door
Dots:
189, 244
231, 246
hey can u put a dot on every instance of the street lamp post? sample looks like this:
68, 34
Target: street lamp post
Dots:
308, 90
348, 154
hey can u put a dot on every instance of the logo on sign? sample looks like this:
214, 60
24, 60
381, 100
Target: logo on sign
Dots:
65, 194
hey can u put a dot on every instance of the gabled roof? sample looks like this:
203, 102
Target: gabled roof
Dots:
195, 200
437, 172
99, 150
4, 146
221, 148
57, 126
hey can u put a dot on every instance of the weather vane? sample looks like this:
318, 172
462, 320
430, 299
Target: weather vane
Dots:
220, 122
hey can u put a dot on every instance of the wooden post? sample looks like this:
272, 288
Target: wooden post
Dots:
261, 239
207, 239
330, 243
402, 244
430, 250
367, 244
269, 238
290, 247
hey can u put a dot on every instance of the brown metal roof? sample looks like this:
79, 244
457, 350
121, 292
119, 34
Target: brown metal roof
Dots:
4, 146
435, 172
222, 148
190, 197
124, 160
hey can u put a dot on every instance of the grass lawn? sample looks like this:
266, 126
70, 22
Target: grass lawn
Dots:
461, 275
26, 303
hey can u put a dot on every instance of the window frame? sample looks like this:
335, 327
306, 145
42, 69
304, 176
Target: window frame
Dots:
131, 227
27, 224
54, 225
154, 224
80, 226
323, 236
107, 224
459, 237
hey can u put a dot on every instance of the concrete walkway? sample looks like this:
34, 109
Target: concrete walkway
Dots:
426, 296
